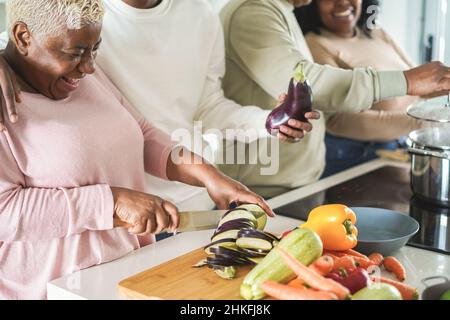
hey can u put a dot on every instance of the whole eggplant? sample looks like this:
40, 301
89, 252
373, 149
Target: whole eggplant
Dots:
353, 279
298, 102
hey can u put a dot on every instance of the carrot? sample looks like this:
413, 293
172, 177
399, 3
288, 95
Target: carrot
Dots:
297, 283
407, 292
354, 253
345, 262
363, 263
376, 258
334, 253
284, 292
312, 278
393, 265
323, 265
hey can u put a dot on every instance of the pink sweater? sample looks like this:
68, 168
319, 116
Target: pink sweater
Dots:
56, 168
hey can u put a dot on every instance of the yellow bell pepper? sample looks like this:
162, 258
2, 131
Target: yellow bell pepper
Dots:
335, 225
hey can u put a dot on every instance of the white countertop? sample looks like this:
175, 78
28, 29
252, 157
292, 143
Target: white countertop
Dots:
100, 282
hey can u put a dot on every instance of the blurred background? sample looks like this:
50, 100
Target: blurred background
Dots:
421, 27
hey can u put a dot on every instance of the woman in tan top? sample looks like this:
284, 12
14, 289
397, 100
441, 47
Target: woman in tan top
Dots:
342, 33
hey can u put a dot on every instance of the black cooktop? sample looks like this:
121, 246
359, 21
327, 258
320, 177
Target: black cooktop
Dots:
388, 188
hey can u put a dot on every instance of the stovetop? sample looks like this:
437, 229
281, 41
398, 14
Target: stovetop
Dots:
388, 188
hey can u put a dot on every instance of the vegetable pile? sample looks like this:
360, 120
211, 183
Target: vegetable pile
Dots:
317, 262
239, 240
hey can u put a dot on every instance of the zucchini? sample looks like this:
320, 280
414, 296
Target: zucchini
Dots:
303, 244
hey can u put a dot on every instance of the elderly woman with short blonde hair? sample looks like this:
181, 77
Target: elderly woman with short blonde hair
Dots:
72, 168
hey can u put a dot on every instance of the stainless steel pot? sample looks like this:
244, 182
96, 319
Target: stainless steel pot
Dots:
430, 164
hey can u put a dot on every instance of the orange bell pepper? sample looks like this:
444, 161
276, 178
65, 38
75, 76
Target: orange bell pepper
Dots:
335, 225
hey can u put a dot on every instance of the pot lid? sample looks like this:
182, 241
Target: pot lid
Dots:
436, 110
436, 138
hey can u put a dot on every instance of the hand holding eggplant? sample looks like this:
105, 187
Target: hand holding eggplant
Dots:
290, 120
295, 130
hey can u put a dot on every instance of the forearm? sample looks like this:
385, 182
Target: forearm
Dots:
36, 214
189, 168
372, 125
352, 90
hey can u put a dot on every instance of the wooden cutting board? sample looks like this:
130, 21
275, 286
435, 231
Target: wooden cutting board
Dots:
177, 280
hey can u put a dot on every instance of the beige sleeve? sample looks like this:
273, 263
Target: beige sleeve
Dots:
372, 125
260, 40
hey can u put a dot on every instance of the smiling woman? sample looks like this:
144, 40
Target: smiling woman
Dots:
52, 53
342, 33
72, 169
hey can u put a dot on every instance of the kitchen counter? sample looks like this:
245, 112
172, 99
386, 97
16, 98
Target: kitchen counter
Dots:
100, 282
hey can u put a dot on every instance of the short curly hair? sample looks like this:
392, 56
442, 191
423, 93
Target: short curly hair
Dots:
49, 17
309, 19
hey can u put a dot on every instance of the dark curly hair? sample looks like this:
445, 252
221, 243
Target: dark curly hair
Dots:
309, 20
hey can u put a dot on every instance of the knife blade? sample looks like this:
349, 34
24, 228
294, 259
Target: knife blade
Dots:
199, 220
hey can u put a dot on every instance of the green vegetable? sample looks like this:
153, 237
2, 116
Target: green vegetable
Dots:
299, 74
226, 273
378, 291
446, 295
303, 244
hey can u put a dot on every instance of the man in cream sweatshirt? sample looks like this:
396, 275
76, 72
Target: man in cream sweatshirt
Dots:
263, 46
168, 59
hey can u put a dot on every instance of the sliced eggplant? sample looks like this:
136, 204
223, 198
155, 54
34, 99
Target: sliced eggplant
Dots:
230, 253
214, 262
227, 243
253, 254
200, 264
252, 233
254, 243
258, 212
236, 224
228, 212
237, 215
224, 261
264, 252
256, 260
228, 234
233, 260
226, 273
275, 238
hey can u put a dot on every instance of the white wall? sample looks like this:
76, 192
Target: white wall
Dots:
402, 19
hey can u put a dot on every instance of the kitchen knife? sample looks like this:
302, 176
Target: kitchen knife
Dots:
191, 220
199, 220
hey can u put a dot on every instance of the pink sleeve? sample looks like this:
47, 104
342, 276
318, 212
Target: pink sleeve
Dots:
158, 145
35, 214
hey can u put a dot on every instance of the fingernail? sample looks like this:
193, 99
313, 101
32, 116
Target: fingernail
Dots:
2, 128
13, 118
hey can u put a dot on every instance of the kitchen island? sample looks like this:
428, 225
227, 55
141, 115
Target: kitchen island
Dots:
100, 282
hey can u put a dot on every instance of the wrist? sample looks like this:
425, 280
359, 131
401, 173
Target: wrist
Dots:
211, 176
